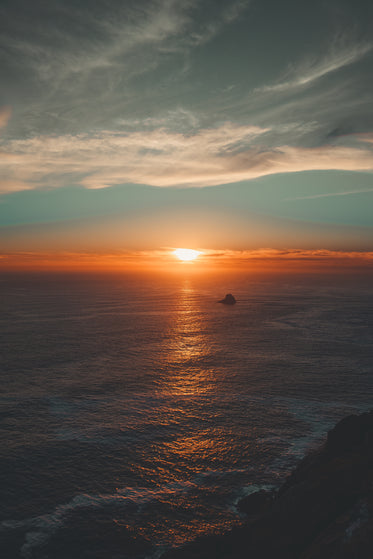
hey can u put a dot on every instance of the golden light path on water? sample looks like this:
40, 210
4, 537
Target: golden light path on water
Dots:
188, 344
187, 384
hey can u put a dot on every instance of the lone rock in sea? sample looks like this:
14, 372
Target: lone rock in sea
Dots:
228, 300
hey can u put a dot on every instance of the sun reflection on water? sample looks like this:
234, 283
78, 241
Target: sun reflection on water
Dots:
192, 447
188, 345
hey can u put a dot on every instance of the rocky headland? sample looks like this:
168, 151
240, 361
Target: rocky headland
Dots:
324, 510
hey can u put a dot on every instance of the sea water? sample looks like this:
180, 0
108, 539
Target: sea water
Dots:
136, 410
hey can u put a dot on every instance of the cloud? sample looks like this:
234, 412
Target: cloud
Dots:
291, 254
81, 66
311, 70
7, 186
178, 119
211, 28
212, 156
365, 138
94, 40
332, 194
5, 114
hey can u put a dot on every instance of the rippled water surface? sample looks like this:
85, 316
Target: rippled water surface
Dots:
136, 411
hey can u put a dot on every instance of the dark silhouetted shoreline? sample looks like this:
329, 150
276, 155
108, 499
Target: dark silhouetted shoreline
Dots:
324, 510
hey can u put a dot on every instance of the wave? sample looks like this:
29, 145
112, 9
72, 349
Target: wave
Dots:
40, 529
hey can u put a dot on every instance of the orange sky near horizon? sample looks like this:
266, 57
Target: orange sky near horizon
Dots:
261, 260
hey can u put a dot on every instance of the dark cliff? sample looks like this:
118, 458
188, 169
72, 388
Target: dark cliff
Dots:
323, 511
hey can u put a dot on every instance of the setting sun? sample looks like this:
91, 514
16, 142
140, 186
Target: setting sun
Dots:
186, 254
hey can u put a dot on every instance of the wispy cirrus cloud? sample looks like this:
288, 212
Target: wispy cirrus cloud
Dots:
228, 15
312, 69
57, 51
229, 153
81, 65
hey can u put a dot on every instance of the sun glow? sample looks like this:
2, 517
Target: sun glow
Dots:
186, 254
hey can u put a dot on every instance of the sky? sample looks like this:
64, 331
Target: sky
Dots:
239, 126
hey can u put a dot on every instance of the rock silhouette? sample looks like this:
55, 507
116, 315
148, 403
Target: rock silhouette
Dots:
228, 300
323, 511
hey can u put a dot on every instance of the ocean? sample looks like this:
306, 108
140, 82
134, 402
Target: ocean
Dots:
136, 411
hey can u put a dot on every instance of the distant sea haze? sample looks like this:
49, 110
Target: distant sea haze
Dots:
137, 411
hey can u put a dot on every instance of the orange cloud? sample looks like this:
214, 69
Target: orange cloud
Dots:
292, 254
